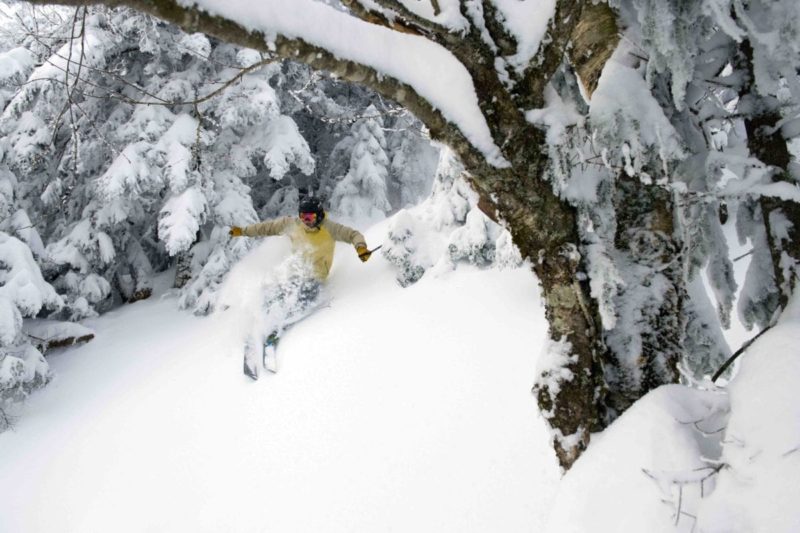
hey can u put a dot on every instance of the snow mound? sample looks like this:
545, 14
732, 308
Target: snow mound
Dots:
682, 459
646, 467
758, 490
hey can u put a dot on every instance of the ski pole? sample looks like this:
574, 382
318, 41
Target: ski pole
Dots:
369, 252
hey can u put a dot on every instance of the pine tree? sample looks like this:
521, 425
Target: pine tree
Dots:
362, 192
23, 293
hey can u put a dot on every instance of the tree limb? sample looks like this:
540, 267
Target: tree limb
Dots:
503, 114
402, 20
594, 39
506, 43
194, 20
529, 92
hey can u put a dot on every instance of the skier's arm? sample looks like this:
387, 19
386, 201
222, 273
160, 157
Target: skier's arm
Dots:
344, 234
267, 228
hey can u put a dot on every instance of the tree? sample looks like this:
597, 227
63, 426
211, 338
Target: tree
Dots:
616, 206
23, 293
362, 192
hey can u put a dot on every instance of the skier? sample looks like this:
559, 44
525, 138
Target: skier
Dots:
313, 239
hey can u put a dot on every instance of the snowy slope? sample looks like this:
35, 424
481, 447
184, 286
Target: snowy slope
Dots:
394, 410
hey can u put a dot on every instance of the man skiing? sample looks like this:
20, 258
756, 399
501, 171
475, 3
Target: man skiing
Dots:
313, 236
313, 239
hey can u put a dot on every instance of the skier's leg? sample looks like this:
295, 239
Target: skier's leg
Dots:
269, 355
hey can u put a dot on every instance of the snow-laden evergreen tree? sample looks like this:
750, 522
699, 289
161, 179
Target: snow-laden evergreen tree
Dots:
362, 193
413, 162
731, 70
446, 229
23, 293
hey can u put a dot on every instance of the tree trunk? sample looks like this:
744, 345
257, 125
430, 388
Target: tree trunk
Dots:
545, 229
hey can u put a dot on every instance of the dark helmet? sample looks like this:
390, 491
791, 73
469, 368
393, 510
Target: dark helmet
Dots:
312, 204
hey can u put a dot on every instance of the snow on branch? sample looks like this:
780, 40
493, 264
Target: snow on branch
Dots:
440, 91
440, 79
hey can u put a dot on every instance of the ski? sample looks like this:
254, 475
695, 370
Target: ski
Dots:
250, 367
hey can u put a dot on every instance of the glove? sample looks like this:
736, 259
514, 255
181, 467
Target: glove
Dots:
235, 231
363, 253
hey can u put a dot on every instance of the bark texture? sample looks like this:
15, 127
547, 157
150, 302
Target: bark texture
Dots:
594, 39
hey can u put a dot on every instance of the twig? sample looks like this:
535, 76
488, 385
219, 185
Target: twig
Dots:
736, 354
6, 420
790, 452
156, 99
68, 101
706, 433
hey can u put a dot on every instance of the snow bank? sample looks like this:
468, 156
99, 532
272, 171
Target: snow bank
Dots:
645, 467
677, 461
758, 489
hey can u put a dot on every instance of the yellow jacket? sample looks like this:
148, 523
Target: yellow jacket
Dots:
315, 245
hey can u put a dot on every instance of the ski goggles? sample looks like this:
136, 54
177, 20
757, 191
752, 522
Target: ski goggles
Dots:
308, 218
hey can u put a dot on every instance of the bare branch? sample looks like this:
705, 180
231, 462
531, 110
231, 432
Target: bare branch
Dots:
112, 94
66, 105
736, 354
790, 452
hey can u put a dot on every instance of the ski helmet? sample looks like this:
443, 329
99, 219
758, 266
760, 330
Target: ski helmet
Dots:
311, 204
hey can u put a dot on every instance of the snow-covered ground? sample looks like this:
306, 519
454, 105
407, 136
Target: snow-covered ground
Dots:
698, 461
404, 410
393, 410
